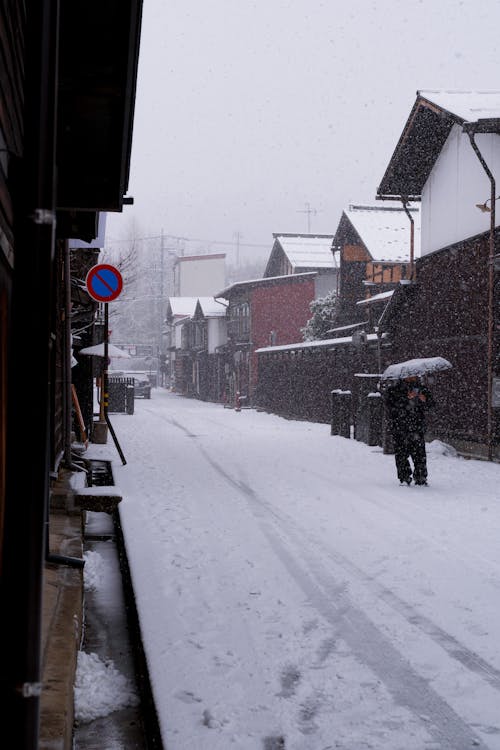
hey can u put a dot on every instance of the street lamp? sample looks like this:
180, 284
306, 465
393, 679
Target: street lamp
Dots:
484, 207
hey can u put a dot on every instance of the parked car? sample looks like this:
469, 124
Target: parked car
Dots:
142, 386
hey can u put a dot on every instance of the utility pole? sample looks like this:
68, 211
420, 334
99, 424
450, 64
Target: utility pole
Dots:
308, 210
160, 314
238, 238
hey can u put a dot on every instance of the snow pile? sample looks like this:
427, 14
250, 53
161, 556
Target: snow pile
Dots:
100, 688
438, 448
93, 572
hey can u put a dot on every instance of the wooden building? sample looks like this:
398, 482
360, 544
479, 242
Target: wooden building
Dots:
67, 94
448, 157
376, 245
203, 336
304, 253
271, 310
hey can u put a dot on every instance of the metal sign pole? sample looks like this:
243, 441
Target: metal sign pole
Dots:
105, 388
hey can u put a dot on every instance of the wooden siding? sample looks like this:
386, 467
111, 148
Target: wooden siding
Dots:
446, 315
387, 273
354, 253
298, 383
12, 21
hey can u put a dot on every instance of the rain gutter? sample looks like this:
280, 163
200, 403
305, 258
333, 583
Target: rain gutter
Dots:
404, 201
470, 129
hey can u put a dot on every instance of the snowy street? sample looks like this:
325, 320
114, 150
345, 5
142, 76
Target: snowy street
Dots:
293, 595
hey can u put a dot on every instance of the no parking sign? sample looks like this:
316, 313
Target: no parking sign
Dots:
104, 282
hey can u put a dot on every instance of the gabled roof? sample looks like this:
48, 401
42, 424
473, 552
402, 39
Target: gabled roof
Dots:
428, 126
383, 230
182, 306
306, 250
185, 307
313, 251
265, 281
211, 308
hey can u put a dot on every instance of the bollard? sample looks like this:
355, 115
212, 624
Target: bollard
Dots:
341, 413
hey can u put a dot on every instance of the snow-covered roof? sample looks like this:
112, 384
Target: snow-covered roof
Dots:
470, 106
429, 124
386, 231
376, 298
307, 250
182, 305
287, 279
212, 308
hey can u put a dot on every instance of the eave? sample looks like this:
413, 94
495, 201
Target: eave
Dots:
98, 58
420, 144
423, 139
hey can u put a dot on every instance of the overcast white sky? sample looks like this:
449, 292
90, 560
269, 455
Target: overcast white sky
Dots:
247, 111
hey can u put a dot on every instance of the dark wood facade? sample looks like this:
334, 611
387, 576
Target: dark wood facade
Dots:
298, 382
66, 111
446, 314
361, 275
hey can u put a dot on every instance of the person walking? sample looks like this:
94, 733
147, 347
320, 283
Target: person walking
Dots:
406, 403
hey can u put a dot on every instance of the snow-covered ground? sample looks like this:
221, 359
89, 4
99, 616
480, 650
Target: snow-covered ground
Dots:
293, 595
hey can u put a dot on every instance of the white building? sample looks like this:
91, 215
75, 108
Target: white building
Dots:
199, 275
435, 162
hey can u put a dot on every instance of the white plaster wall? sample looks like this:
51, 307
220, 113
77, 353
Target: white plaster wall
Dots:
456, 183
178, 336
217, 335
201, 277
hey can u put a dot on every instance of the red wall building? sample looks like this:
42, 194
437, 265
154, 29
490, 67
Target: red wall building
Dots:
278, 311
262, 312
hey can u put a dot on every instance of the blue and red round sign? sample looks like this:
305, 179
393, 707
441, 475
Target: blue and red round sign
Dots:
104, 282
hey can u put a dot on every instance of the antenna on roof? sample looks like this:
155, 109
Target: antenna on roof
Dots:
308, 210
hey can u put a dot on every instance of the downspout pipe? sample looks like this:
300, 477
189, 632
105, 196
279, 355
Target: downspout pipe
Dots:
491, 280
67, 354
404, 201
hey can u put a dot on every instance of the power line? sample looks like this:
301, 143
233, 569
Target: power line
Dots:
185, 239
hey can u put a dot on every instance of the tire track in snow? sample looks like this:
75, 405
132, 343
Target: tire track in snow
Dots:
367, 643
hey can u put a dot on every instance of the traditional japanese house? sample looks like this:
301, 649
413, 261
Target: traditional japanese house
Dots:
67, 95
271, 310
203, 334
376, 247
304, 253
179, 311
448, 158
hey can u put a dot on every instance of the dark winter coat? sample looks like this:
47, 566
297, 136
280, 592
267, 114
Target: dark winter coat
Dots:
407, 414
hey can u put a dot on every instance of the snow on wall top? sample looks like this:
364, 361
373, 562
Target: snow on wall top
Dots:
319, 343
307, 251
470, 106
376, 298
386, 232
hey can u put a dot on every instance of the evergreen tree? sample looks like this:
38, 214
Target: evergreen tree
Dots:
324, 311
